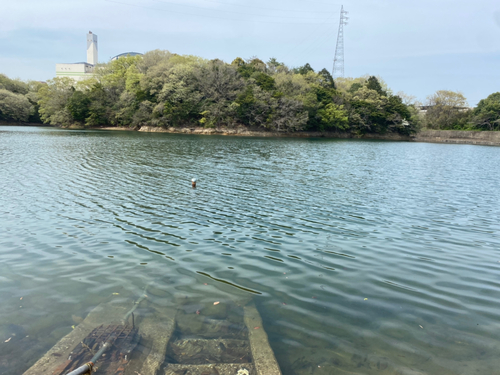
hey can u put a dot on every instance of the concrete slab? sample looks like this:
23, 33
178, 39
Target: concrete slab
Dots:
154, 335
59, 354
196, 351
212, 369
263, 356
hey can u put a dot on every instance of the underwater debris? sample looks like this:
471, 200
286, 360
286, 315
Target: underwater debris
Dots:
122, 339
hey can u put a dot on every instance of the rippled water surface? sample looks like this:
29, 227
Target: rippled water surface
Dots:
361, 257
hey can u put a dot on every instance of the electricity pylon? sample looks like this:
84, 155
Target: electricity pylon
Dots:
338, 61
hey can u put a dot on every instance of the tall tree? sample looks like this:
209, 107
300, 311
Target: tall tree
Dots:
14, 106
53, 100
78, 105
446, 110
303, 69
326, 79
486, 116
373, 84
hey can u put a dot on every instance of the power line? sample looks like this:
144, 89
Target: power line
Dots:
215, 17
313, 45
230, 11
278, 9
191, 14
308, 37
320, 2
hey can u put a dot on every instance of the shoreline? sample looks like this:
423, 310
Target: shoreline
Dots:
468, 137
242, 131
481, 138
6, 123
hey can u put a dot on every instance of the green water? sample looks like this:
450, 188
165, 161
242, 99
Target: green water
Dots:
362, 257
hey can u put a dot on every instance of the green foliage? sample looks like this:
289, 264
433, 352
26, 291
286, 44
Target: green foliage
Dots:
486, 116
245, 101
370, 112
78, 106
447, 110
286, 115
99, 106
333, 117
326, 79
53, 100
274, 64
246, 70
303, 69
258, 64
264, 81
15, 86
165, 89
395, 105
14, 106
238, 62
18, 100
115, 72
373, 84
355, 87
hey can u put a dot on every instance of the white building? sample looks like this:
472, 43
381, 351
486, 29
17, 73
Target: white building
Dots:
81, 70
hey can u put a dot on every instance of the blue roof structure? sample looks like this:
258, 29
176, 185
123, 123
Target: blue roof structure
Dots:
125, 55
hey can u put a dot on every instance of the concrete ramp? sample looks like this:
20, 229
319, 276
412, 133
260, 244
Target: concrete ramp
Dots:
227, 339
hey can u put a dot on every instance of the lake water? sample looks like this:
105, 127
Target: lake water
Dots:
362, 257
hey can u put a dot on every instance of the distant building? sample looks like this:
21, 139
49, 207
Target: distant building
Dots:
425, 108
81, 70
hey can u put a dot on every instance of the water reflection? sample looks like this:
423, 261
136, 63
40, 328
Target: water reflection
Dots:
362, 257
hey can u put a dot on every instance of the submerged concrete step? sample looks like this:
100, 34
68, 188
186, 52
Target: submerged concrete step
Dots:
197, 351
158, 334
211, 369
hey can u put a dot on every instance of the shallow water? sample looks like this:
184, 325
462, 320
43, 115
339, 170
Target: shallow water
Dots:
362, 257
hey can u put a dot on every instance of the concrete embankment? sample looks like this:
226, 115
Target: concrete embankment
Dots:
246, 132
459, 137
433, 136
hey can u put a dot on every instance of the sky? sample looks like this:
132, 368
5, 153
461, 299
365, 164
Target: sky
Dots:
417, 47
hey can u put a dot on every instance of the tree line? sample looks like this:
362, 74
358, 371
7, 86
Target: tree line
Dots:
162, 89
19, 100
449, 110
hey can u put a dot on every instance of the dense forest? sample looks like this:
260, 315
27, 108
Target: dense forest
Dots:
162, 89
19, 100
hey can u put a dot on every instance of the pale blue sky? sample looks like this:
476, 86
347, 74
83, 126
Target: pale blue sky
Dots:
416, 46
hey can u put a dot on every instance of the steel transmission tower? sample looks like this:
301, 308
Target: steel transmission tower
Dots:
338, 61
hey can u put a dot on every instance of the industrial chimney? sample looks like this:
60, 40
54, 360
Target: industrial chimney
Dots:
91, 48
